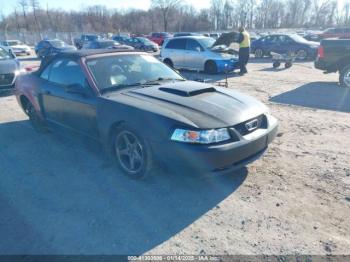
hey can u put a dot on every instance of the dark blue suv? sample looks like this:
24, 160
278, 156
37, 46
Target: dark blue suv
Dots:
50, 47
285, 44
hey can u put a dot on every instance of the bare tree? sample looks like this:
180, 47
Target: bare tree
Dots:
34, 4
165, 7
24, 5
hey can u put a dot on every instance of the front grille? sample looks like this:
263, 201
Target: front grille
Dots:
6, 79
243, 130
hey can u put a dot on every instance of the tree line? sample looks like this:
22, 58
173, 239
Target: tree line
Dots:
28, 16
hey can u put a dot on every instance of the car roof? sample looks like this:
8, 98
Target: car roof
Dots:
190, 37
77, 54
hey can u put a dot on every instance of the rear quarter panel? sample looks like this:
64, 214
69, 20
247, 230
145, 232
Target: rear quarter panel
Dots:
27, 86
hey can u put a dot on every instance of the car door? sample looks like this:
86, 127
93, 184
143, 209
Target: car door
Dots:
194, 58
274, 44
75, 110
176, 51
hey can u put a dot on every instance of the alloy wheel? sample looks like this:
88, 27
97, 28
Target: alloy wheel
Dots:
130, 152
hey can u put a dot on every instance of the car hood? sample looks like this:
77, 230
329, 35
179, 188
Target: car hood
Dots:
196, 104
8, 66
20, 46
227, 39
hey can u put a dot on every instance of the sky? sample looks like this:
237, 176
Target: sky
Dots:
7, 6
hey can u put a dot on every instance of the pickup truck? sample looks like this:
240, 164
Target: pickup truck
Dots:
334, 56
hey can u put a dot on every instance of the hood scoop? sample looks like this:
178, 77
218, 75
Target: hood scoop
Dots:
187, 92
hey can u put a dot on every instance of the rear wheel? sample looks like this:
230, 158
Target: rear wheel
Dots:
34, 118
301, 54
276, 64
169, 63
132, 152
210, 67
259, 53
344, 77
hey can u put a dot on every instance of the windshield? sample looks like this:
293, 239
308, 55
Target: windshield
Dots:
119, 71
298, 38
207, 42
58, 44
13, 43
4, 55
144, 40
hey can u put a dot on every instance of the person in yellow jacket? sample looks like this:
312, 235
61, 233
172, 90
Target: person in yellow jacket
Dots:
244, 50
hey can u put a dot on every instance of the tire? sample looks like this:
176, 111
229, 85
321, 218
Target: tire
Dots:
210, 68
288, 64
37, 123
301, 54
259, 53
132, 152
344, 77
276, 64
168, 62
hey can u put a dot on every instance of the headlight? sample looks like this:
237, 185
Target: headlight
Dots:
202, 136
20, 72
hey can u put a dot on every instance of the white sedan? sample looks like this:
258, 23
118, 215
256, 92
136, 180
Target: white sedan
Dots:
17, 47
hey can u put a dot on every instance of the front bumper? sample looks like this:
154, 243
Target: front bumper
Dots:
218, 158
226, 65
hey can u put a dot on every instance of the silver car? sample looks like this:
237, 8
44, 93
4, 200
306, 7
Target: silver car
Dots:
9, 70
197, 53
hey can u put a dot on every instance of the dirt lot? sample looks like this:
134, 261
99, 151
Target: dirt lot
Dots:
59, 195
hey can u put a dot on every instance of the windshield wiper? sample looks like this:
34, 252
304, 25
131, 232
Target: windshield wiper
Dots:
155, 81
147, 83
119, 87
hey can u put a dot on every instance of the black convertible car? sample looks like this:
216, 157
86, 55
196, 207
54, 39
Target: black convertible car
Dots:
143, 111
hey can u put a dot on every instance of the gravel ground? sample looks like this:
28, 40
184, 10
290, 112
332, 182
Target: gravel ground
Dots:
59, 195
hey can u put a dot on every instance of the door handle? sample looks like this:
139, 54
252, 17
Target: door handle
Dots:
46, 92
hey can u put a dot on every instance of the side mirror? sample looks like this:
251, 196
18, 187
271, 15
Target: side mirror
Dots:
77, 89
198, 49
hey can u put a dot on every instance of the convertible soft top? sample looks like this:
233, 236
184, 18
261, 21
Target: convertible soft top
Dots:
76, 54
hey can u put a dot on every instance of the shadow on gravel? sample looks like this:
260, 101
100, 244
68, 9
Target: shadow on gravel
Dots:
5, 93
318, 95
59, 197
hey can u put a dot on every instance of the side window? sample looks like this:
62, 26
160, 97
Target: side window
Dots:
46, 73
67, 72
177, 44
193, 45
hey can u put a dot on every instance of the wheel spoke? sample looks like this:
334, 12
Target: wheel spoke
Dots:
124, 152
132, 162
126, 140
137, 155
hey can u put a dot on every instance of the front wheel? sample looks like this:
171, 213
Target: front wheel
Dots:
344, 77
210, 68
132, 152
259, 53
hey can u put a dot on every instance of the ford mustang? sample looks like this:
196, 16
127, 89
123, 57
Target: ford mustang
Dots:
144, 112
